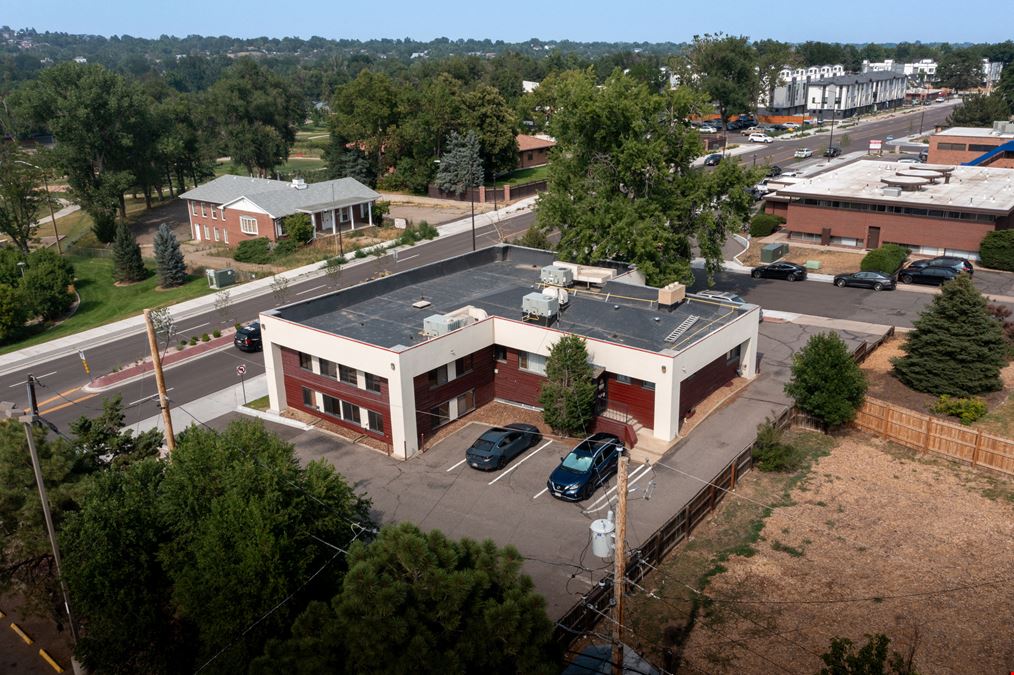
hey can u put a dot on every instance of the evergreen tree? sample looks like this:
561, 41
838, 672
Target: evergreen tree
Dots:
172, 270
568, 394
461, 165
826, 381
127, 264
957, 347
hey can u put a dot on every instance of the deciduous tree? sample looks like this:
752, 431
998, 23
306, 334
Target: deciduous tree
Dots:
725, 67
961, 69
826, 381
493, 121
22, 197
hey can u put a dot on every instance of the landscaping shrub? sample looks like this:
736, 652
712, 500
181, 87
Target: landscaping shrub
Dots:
360, 253
253, 251
237, 325
298, 228
193, 340
205, 337
535, 237
284, 247
997, 250
965, 409
771, 452
427, 231
887, 259
826, 381
216, 333
764, 224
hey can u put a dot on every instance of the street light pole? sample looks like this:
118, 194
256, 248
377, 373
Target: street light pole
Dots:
834, 92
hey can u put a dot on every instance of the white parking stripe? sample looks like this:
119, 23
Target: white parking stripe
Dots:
629, 483
457, 465
544, 490
311, 290
527, 457
594, 506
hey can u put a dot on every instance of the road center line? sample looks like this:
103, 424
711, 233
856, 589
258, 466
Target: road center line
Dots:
38, 377
311, 290
527, 457
457, 465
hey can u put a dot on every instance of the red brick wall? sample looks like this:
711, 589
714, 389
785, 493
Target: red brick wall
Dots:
265, 225
704, 382
480, 378
632, 399
296, 378
514, 384
938, 156
954, 234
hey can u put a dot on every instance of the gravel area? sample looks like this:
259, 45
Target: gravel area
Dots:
875, 540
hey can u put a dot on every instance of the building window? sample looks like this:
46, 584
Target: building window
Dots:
466, 402
207, 233
951, 146
248, 225
193, 208
328, 369
203, 214
348, 375
343, 215
214, 216
364, 210
623, 379
221, 213
305, 361
332, 406
375, 421
531, 156
373, 382
440, 415
350, 412
500, 353
309, 399
216, 229
734, 354
648, 385
979, 147
225, 235
438, 376
534, 363
462, 366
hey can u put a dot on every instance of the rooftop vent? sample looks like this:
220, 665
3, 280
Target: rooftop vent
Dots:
678, 332
421, 304
891, 191
298, 184
672, 294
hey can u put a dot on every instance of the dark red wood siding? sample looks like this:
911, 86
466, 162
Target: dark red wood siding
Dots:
480, 378
296, 378
704, 382
633, 399
514, 384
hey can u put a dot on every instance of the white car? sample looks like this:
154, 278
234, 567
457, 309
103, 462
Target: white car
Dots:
803, 153
708, 129
760, 138
791, 126
940, 99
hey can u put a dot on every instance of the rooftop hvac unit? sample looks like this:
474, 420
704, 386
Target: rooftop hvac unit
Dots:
441, 324
558, 293
891, 191
221, 278
557, 276
672, 294
539, 305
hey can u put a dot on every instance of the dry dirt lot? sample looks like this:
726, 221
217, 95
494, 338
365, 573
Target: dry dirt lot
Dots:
831, 261
873, 540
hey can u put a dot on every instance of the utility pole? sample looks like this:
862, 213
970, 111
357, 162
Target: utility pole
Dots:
163, 399
619, 564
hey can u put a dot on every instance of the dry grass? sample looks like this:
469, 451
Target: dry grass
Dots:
831, 261
875, 540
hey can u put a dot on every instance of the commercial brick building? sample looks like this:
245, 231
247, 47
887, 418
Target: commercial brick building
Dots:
230, 209
932, 209
960, 145
399, 357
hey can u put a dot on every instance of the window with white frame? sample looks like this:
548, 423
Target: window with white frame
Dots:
534, 363
207, 233
193, 208
343, 215
247, 225
216, 232
221, 213
214, 216
225, 235
203, 213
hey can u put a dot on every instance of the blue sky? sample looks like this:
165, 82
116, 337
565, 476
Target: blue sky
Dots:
518, 20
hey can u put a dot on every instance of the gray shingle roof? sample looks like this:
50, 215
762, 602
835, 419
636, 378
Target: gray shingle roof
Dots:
279, 198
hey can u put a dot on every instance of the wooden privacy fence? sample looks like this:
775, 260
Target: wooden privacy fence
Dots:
920, 431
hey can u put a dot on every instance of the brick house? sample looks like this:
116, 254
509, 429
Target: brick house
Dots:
230, 209
533, 150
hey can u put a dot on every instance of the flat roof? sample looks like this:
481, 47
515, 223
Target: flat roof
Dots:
971, 188
974, 132
495, 279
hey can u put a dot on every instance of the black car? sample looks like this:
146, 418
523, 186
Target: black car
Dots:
878, 281
774, 170
954, 262
588, 465
833, 151
248, 338
713, 159
927, 275
780, 270
499, 445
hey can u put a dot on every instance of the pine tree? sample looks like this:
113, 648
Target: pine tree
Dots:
172, 270
568, 394
127, 264
826, 381
957, 347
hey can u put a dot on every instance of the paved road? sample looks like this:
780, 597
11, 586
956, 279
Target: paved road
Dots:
62, 400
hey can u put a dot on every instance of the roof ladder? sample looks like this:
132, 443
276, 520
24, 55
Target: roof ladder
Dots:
682, 328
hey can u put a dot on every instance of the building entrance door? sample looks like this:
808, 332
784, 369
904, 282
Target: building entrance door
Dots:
873, 237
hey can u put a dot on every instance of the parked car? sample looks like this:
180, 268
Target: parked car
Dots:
774, 170
791, 126
713, 159
587, 466
888, 138
248, 338
499, 445
708, 129
721, 296
778, 127
760, 138
924, 155
752, 129
780, 270
878, 281
927, 275
833, 151
940, 99
909, 160
803, 153
952, 261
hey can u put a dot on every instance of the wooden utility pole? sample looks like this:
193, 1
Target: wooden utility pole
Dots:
163, 399
619, 564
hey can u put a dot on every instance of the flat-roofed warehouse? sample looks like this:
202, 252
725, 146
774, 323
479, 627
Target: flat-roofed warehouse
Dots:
398, 357
933, 209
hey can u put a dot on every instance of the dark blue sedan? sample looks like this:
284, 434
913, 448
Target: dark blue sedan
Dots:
248, 338
588, 466
499, 445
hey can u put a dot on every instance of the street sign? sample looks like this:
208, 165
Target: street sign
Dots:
241, 370
876, 145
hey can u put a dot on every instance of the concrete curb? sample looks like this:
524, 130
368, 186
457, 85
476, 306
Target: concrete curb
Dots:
273, 418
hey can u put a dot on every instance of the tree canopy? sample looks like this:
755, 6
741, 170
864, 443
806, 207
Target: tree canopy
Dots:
826, 381
725, 67
461, 164
568, 393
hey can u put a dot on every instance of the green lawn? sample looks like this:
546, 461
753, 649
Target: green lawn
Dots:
294, 164
102, 302
261, 403
522, 176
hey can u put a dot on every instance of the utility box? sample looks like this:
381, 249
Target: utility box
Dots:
773, 252
557, 276
221, 278
537, 304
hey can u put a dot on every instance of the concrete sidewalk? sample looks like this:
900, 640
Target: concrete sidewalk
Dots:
207, 408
